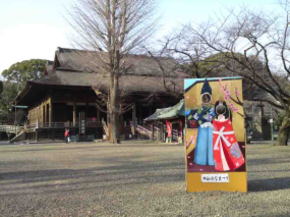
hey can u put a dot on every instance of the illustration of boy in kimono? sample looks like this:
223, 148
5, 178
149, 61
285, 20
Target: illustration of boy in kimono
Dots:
203, 153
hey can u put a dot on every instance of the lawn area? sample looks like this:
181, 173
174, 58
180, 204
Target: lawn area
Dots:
131, 179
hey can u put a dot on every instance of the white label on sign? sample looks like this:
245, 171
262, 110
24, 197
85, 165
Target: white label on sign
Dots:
215, 178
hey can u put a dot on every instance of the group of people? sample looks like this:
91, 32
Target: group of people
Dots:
216, 144
169, 131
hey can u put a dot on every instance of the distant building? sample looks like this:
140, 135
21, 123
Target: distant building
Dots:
72, 93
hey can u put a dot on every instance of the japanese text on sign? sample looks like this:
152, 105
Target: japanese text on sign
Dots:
215, 178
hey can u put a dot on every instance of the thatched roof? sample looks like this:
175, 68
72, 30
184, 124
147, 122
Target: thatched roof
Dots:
89, 61
76, 68
143, 74
128, 83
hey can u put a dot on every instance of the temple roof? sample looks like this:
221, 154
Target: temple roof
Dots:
90, 61
128, 83
76, 68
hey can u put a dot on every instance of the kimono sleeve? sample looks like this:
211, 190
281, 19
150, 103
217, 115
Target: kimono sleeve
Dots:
191, 118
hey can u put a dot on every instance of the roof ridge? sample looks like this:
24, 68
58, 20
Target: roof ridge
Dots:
62, 49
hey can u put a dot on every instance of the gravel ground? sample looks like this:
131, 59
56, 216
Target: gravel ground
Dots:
131, 179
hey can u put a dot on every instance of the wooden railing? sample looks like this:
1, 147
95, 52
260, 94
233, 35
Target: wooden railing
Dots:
63, 125
13, 129
155, 132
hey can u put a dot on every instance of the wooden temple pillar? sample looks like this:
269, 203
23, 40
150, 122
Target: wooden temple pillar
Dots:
98, 115
74, 114
50, 113
134, 121
43, 114
51, 119
152, 128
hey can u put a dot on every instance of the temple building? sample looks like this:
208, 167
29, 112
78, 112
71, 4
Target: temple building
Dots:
72, 94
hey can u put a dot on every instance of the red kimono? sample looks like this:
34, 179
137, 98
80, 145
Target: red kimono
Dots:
169, 128
227, 153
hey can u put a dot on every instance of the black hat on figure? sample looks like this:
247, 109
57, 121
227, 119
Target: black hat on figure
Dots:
206, 92
206, 89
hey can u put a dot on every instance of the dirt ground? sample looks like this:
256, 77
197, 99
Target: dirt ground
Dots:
131, 179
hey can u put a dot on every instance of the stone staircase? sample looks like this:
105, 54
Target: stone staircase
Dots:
16, 132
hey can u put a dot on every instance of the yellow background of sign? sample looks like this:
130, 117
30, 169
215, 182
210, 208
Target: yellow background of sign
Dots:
238, 180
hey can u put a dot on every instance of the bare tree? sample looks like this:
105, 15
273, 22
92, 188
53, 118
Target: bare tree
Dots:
249, 44
113, 28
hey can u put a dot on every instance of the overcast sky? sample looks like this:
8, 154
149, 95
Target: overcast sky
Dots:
35, 28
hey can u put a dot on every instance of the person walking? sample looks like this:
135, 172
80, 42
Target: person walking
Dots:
66, 135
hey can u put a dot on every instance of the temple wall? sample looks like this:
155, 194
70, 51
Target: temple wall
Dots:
41, 113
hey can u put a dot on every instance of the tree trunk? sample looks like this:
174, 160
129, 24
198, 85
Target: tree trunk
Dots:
284, 130
114, 109
283, 137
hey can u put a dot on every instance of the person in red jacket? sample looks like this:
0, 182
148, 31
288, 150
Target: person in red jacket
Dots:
169, 131
66, 135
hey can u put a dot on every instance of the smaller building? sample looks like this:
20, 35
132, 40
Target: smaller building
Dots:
259, 119
167, 124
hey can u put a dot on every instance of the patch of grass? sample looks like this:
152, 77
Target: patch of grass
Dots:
135, 178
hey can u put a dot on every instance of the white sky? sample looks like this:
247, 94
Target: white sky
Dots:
35, 28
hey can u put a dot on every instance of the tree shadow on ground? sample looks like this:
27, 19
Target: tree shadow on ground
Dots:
69, 180
38, 147
269, 184
55, 174
270, 160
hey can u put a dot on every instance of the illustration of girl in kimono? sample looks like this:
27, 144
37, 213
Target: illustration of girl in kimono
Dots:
203, 153
227, 153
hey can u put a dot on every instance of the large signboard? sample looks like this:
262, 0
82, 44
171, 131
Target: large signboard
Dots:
215, 135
